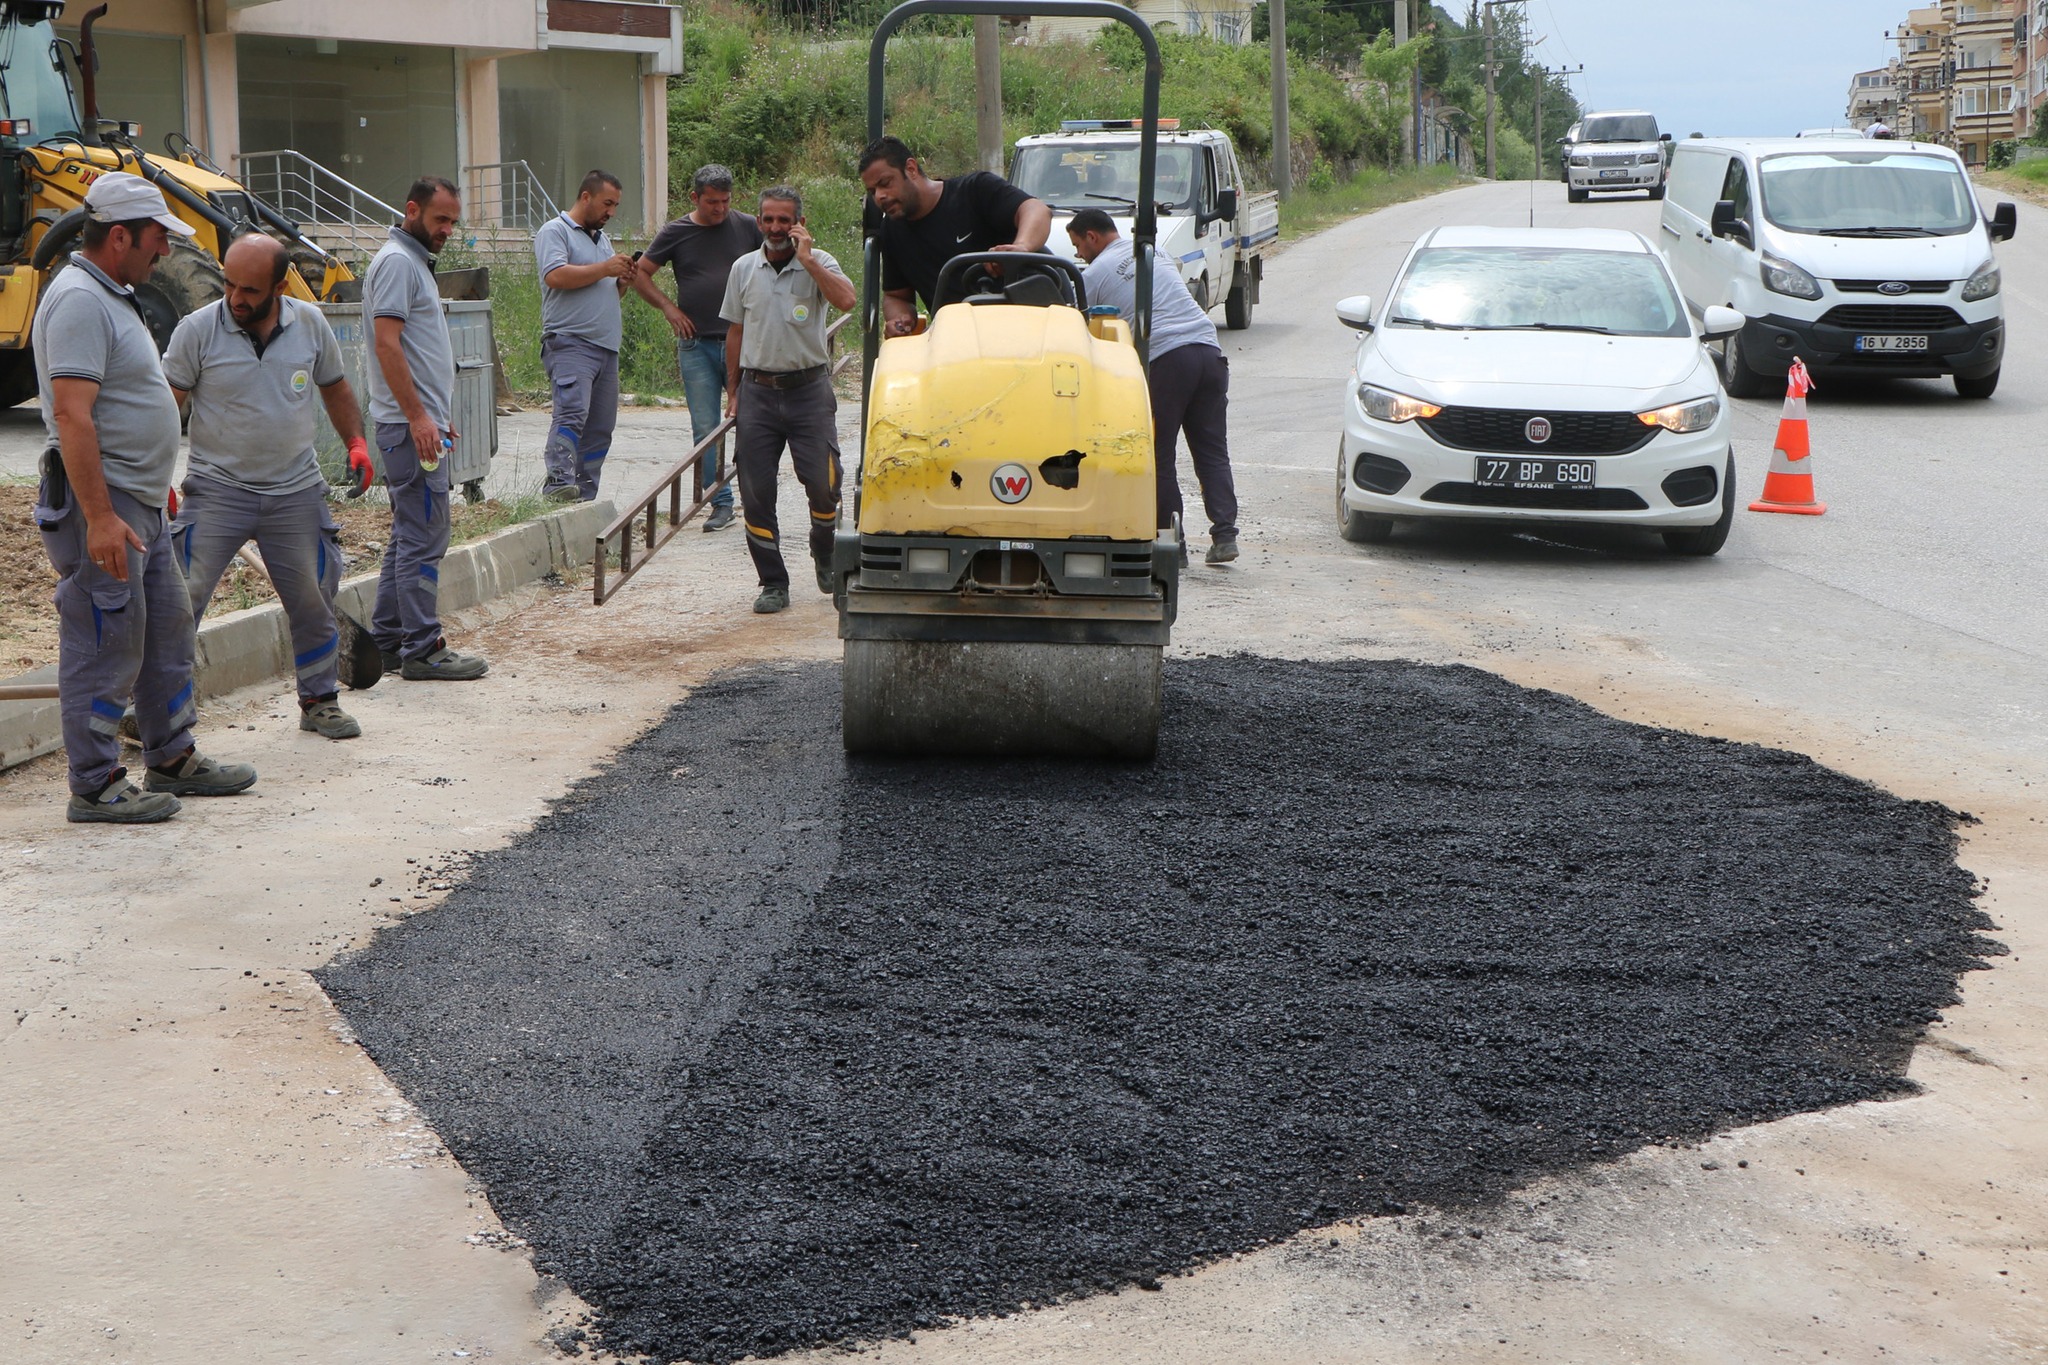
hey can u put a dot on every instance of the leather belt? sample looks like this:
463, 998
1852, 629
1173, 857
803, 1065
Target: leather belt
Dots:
784, 379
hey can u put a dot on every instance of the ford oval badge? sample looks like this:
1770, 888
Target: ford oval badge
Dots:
1894, 288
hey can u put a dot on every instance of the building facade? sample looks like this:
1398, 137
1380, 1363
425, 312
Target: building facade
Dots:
1873, 98
380, 91
1969, 73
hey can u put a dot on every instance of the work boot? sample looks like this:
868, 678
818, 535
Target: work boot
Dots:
1222, 549
392, 662
443, 665
771, 601
121, 802
193, 775
567, 492
720, 518
327, 718
824, 568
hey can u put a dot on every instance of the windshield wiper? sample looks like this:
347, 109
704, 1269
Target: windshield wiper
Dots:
1114, 198
1557, 327
1426, 322
1879, 232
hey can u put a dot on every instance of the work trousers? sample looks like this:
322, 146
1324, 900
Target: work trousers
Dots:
407, 621
702, 365
1191, 394
299, 542
117, 641
585, 380
806, 421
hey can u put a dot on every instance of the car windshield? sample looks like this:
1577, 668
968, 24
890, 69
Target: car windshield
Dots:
1620, 128
1867, 194
1496, 288
33, 84
1095, 175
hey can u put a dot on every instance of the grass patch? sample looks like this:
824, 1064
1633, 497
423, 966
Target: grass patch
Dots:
2028, 181
1317, 206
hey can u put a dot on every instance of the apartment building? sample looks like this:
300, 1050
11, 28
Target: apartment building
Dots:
1873, 98
378, 91
1969, 73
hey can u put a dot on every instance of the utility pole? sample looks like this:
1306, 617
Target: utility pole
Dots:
1400, 37
988, 92
1283, 154
1415, 87
1489, 82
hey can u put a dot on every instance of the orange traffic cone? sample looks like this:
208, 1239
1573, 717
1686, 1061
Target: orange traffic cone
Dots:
1789, 485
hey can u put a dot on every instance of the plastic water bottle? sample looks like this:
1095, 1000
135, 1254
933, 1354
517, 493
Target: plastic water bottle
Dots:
433, 461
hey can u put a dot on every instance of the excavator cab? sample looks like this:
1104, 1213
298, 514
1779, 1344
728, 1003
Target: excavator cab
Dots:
1006, 588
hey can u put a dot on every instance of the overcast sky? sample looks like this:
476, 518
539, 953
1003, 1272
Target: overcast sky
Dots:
1720, 67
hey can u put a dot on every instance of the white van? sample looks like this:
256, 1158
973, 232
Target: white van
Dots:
1856, 256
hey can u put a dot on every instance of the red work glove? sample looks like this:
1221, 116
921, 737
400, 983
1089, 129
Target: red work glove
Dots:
172, 493
359, 464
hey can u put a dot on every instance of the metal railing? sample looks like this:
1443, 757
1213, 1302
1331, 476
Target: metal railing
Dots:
646, 513
505, 194
326, 205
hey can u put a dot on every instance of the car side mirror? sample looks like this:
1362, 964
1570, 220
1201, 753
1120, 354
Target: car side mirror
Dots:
1561, 142
1720, 321
1226, 203
2005, 221
1663, 137
1725, 224
1356, 312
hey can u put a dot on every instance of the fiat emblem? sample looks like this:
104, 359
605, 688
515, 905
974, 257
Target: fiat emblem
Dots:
1895, 288
1538, 430
1010, 483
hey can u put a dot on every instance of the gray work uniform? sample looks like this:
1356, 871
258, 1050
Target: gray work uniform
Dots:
116, 640
1188, 377
254, 473
400, 284
785, 399
580, 331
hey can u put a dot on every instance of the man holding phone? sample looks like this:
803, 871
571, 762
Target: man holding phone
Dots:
582, 278
412, 397
779, 378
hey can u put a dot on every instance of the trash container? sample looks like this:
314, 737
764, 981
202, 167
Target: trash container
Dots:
476, 408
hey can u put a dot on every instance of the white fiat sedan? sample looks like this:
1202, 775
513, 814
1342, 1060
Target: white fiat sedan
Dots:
1536, 375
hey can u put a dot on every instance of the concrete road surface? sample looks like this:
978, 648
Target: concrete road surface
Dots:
196, 1164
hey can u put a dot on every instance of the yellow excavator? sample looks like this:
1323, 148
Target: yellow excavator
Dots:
54, 144
1006, 588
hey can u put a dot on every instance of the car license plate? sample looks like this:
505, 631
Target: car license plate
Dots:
1613, 175
1492, 472
1891, 343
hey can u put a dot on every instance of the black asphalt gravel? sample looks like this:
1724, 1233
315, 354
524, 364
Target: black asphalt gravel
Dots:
761, 1049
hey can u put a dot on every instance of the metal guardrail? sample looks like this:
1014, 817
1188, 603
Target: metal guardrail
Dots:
505, 194
322, 202
670, 485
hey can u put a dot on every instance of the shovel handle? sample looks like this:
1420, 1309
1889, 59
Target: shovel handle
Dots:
28, 692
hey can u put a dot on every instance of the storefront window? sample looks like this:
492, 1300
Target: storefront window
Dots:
377, 114
565, 112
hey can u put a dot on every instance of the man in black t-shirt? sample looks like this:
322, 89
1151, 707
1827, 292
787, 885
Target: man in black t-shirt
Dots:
700, 247
926, 223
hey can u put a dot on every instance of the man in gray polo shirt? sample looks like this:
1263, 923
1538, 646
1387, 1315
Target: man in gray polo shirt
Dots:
124, 620
412, 396
250, 363
582, 278
778, 376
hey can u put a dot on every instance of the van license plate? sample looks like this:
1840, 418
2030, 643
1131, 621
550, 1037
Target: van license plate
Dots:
1493, 472
1891, 343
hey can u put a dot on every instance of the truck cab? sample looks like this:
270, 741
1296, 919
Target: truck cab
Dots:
1211, 225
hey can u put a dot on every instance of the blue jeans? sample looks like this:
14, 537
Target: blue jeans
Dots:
703, 368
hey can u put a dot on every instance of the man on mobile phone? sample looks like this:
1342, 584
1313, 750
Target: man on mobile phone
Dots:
700, 248
412, 394
582, 277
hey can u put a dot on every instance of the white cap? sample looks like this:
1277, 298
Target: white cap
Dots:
118, 197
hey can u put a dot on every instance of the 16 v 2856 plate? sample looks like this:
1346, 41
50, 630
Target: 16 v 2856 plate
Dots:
1489, 471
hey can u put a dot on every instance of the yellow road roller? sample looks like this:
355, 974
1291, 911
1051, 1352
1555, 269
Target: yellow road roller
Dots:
1005, 588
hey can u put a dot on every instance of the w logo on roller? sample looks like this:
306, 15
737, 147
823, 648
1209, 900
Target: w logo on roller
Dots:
1010, 483
1789, 485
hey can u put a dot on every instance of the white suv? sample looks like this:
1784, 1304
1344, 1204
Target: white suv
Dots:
1620, 149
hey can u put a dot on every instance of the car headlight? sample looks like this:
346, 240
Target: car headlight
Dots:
1649, 158
1388, 406
1783, 277
1983, 284
1582, 161
1697, 415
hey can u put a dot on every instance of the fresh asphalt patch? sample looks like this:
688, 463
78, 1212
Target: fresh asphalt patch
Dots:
761, 1048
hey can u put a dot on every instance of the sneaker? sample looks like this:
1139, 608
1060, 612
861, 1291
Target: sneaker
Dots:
193, 775
772, 600
122, 803
720, 518
824, 568
567, 492
1222, 549
327, 718
445, 665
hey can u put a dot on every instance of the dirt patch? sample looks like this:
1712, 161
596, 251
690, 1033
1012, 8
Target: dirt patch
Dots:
28, 621
762, 1048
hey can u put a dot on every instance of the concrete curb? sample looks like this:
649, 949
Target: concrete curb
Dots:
254, 646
